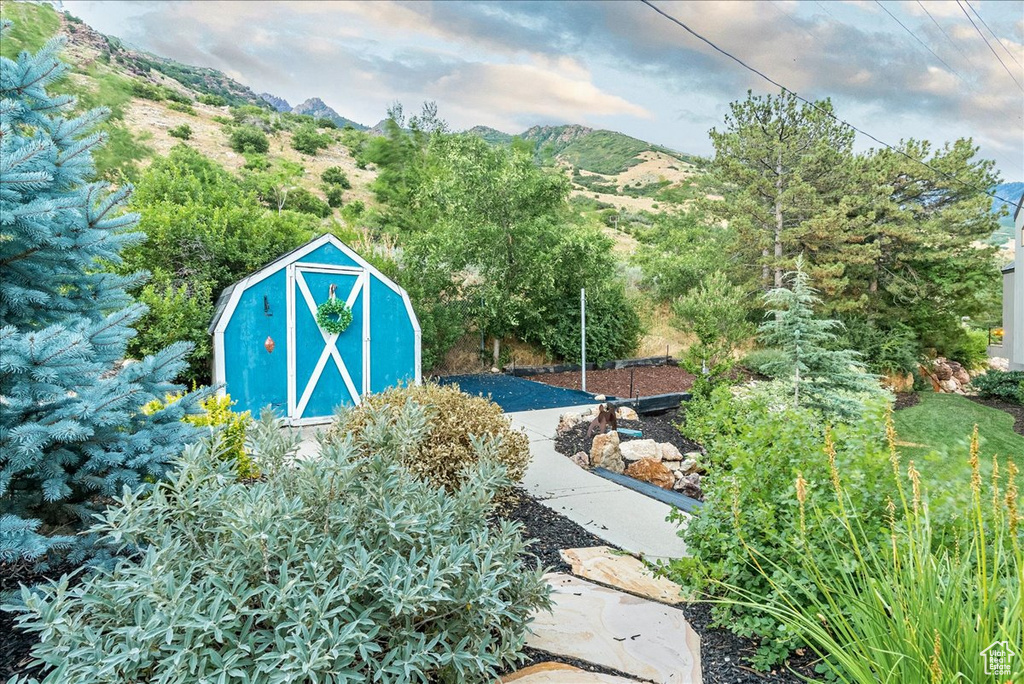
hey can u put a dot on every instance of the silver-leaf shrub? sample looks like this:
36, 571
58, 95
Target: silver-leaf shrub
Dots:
331, 569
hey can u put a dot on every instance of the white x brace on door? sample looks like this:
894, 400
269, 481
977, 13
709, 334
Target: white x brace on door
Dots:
300, 301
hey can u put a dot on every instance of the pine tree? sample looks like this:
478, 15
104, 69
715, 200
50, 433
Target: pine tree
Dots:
834, 382
71, 428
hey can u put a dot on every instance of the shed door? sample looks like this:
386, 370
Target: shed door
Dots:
325, 370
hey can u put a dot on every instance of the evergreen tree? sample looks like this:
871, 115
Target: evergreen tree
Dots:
834, 382
786, 162
71, 428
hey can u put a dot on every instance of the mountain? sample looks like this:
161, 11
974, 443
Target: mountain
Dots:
491, 135
1011, 192
316, 107
598, 151
278, 103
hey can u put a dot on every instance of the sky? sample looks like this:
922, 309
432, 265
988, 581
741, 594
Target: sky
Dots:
897, 69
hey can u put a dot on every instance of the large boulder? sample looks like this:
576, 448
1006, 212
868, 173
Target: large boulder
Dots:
567, 421
604, 453
942, 369
649, 470
636, 449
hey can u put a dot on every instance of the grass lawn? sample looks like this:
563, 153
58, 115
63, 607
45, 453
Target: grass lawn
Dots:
939, 428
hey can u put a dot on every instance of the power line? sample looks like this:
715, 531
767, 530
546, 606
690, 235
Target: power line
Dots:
985, 24
815, 105
943, 31
996, 54
914, 36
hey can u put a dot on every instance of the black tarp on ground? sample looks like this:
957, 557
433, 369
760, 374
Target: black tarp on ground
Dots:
518, 394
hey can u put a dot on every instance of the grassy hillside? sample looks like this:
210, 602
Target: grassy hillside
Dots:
152, 101
600, 151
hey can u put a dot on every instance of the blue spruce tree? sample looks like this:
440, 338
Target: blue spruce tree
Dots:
71, 428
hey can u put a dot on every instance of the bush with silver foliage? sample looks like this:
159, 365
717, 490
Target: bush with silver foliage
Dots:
331, 569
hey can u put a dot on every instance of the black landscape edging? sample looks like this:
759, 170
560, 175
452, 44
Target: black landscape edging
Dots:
526, 371
680, 501
655, 403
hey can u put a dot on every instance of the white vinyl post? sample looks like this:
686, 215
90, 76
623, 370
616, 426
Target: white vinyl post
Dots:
583, 337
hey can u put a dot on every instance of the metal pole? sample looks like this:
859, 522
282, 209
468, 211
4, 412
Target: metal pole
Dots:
583, 337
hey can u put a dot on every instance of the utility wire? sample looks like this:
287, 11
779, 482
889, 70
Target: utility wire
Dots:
815, 105
914, 36
985, 24
984, 38
943, 31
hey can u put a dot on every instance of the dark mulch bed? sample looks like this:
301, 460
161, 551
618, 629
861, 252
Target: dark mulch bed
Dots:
1015, 410
647, 380
549, 531
906, 400
659, 427
725, 657
14, 643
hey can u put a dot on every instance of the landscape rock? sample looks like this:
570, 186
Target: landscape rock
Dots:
626, 413
605, 453
582, 459
688, 466
567, 421
617, 569
669, 452
649, 470
942, 370
600, 397
898, 382
689, 485
637, 449
949, 385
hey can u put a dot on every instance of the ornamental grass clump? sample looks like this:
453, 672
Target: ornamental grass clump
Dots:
453, 420
331, 569
923, 603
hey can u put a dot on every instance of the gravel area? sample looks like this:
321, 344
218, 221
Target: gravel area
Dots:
647, 380
659, 427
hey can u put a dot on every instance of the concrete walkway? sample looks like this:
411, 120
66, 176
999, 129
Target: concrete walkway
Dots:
618, 515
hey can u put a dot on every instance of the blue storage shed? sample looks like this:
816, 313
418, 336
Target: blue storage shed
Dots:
269, 350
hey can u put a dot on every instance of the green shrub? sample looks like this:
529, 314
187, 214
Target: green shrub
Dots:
353, 211
455, 419
147, 91
763, 361
886, 350
1005, 385
912, 607
182, 107
970, 348
335, 195
303, 201
326, 123
212, 100
231, 429
307, 140
174, 96
184, 131
249, 139
335, 175
330, 569
756, 447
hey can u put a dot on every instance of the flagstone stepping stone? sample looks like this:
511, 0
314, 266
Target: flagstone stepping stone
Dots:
560, 673
619, 631
607, 566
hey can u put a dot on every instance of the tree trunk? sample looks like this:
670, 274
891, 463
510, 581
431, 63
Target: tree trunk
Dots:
497, 350
778, 221
766, 273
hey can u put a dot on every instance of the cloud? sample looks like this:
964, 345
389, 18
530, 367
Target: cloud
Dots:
614, 63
